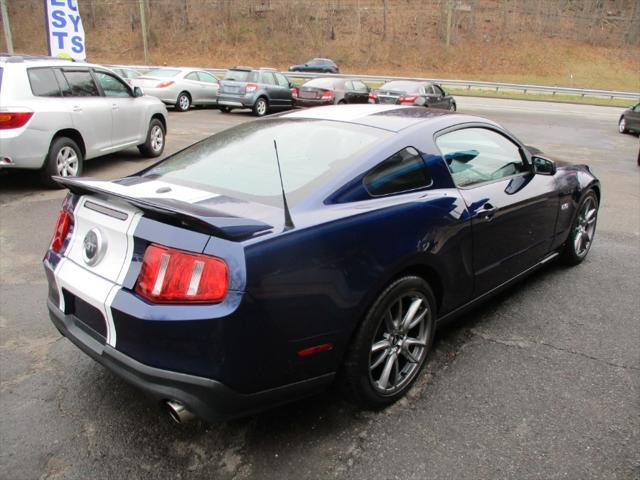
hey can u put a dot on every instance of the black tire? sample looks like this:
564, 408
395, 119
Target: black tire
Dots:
183, 102
225, 109
61, 146
575, 249
358, 377
452, 107
342, 102
261, 107
154, 144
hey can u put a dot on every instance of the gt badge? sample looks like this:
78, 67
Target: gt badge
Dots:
94, 246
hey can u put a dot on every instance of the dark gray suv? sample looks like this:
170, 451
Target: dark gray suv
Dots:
260, 89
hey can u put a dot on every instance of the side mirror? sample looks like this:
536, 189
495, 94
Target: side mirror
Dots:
137, 92
543, 166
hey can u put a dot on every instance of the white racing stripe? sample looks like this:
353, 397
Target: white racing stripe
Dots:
155, 189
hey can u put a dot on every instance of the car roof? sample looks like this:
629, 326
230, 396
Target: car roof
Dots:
388, 117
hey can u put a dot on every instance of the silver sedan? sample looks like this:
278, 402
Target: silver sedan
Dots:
180, 87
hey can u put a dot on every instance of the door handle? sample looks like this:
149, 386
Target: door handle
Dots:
487, 212
77, 108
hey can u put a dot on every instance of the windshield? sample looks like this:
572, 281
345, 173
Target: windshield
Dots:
241, 76
240, 162
163, 72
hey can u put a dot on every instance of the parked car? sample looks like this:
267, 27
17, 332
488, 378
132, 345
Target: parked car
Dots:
330, 91
54, 114
125, 72
317, 65
180, 87
630, 120
424, 94
194, 281
260, 89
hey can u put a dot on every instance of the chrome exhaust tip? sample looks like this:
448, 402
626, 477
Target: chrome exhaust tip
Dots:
178, 412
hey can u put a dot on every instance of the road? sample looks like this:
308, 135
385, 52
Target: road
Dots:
540, 383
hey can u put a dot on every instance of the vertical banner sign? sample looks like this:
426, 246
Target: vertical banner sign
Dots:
65, 34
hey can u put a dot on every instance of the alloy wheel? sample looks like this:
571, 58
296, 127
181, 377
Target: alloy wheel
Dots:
399, 346
67, 162
622, 126
585, 227
184, 102
157, 138
261, 107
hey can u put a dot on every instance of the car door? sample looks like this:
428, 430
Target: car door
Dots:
361, 91
513, 210
284, 90
633, 118
195, 87
441, 97
90, 112
128, 114
211, 86
276, 97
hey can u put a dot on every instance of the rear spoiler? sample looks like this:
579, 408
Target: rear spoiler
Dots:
218, 223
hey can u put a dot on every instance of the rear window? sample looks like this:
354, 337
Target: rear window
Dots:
163, 72
241, 76
321, 83
240, 162
408, 87
43, 82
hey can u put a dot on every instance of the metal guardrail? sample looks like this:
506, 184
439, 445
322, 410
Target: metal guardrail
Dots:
468, 84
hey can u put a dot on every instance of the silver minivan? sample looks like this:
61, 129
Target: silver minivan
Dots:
54, 114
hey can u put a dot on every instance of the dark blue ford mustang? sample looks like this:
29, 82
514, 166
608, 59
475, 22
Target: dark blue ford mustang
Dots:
194, 281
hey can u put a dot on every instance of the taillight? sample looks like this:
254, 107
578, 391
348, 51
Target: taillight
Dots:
408, 99
173, 276
166, 83
61, 231
373, 96
328, 95
294, 92
251, 87
10, 120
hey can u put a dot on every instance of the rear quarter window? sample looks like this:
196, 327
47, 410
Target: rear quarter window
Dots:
43, 82
401, 172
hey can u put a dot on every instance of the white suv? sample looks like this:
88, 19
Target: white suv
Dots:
54, 114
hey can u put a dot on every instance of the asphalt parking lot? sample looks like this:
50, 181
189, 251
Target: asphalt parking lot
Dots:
542, 382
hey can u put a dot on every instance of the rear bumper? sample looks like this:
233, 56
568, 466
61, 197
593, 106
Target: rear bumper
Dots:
305, 102
236, 101
206, 398
24, 148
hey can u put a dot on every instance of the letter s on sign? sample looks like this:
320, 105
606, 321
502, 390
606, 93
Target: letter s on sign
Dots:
78, 47
59, 20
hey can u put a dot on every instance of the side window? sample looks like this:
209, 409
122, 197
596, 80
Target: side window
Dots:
207, 77
438, 91
267, 77
400, 172
81, 83
62, 81
479, 155
192, 76
282, 80
429, 90
348, 85
359, 86
43, 82
636, 108
111, 86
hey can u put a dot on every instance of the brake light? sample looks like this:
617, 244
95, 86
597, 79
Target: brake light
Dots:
373, 96
10, 120
294, 92
328, 95
62, 229
408, 99
173, 276
166, 83
251, 87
